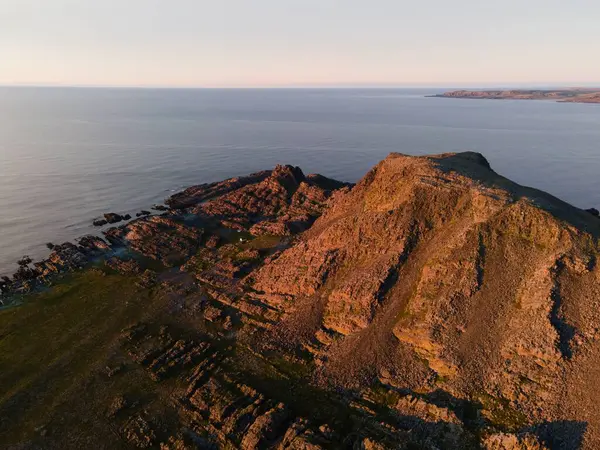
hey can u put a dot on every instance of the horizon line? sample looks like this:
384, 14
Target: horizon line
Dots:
315, 85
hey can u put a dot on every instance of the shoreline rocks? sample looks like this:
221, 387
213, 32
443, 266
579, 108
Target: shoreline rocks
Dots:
282, 201
111, 218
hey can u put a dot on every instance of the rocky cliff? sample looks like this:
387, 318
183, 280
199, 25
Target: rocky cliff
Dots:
437, 273
434, 305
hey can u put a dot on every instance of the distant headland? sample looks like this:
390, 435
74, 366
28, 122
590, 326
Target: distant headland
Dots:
567, 95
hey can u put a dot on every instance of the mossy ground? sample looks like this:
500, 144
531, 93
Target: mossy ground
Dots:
54, 345
57, 348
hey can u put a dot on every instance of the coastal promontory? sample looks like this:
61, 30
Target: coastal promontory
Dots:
433, 305
571, 95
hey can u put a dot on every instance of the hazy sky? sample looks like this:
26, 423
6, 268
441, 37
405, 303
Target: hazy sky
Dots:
298, 42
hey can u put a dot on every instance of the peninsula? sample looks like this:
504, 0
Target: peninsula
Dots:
433, 305
571, 95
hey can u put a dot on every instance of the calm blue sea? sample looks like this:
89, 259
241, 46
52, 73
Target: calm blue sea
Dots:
69, 154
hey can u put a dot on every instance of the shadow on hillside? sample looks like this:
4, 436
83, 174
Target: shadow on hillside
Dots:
560, 435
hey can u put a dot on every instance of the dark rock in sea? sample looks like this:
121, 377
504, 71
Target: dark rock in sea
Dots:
126, 217
100, 222
25, 273
593, 212
160, 208
143, 213
113, 218
50, 245
24, 261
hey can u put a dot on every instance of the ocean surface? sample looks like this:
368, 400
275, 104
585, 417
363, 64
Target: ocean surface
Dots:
69, 154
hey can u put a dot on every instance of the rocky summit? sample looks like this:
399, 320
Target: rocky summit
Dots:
433, 305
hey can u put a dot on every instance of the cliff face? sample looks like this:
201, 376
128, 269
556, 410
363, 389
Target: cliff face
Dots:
435, 272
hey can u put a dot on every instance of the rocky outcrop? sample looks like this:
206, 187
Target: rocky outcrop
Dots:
278, 202
196, 194
63, 258
593, 212
445, 274
111, 218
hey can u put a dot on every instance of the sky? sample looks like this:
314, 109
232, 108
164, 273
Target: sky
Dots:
246, 43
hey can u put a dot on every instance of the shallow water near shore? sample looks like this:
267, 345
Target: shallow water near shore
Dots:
68, 155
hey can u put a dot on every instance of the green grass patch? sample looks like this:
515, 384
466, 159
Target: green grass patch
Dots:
501, 414
51, 344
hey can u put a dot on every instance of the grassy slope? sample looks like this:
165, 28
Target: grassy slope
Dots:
55, 344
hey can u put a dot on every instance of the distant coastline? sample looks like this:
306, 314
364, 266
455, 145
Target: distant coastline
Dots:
569, 95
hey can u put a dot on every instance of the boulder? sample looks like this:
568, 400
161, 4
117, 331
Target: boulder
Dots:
113, 218
593, 212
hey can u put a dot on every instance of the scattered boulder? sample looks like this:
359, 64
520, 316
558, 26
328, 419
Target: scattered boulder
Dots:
139, 433
143, 213
148, 279
593, 212
24, 261
124, 267
113, 218
112, 371
118, 404
213, 241
99, 222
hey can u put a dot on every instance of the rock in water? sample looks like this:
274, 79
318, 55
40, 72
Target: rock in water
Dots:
113, 218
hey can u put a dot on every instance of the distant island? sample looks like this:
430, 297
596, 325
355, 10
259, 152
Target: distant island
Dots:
570, 95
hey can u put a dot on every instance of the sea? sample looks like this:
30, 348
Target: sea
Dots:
67, 155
